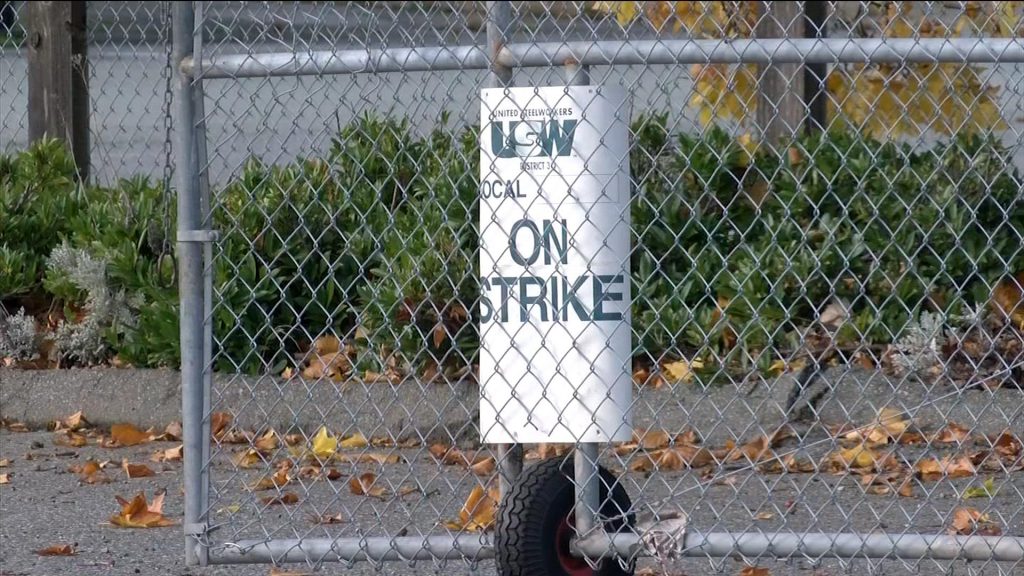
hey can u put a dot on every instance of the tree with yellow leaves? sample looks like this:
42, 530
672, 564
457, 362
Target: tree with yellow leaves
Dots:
883, 100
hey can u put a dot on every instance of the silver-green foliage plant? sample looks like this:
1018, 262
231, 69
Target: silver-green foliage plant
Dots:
106, 309
18, 336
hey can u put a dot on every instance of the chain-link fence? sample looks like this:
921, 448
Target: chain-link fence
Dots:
129, 91
672, 287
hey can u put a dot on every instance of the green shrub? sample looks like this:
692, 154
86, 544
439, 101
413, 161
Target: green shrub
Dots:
732, 252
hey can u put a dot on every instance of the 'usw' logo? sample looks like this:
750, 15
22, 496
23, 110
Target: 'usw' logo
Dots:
529, 138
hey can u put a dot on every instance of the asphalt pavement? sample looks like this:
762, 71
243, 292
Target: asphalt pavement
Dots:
43, 504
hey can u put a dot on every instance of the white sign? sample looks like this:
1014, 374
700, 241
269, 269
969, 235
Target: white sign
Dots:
555, 358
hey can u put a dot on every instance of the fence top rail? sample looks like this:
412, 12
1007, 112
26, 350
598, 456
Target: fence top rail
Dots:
611, 52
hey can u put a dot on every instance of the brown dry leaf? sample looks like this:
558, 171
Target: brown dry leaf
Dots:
69, 439
219, 422
479, 511
1007, 445
57, 550
889, 425
754, 571
267, 442
484, 467
675, 458
652, 439
169, 455
334, 365
968, 521
951, 433
888, 482
72, 423
136, 470
5, 478
90, 473
1008, 300
368, 458
365, 485
137, 514
928, 469
4, 463
329, 519
287, 499
795, 466
17, 427
440, 335
550, 450
246, 459
354, 441
280, 479
766, 515
127, 435
327, 344
172, 433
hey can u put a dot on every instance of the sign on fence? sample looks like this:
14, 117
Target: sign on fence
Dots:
554, 265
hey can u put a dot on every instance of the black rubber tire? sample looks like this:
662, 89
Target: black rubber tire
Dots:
530, 513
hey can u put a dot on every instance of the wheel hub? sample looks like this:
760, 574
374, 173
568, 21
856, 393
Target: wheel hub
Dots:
572, 565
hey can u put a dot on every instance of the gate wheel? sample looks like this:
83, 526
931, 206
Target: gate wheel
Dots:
535, 522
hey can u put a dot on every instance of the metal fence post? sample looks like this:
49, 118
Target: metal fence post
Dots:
585, 471
499, 18
191, 293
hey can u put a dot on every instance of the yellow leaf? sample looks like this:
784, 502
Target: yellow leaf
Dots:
247, 459
682, 370
357, 440
479, 511
986, 490
324, 445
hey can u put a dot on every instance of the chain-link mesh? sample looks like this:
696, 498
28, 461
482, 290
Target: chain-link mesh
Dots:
128, 47
812, 287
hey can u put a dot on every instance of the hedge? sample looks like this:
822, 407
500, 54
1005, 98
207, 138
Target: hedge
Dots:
733, 252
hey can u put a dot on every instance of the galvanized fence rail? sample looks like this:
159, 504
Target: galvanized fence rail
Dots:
479, 268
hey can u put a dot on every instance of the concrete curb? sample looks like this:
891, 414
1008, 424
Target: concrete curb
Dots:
437, 412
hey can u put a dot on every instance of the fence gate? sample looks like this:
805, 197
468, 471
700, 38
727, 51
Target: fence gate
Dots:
603, 287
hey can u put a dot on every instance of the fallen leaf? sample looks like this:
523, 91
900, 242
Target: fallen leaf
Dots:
17, 427
91, 473
72, 423
57, 550
951, 433
1008, 299
324, 445
479, 511
681, 371
329, 519
247, 459
267, 442
860, 458
136, 470
137, 514
986, 490
357, 440
333, 365
128, 435
969, 521
1008, 445
229, 509
365, 485
440, 335
4, 463
484, 467
766, 515
69, 439
894, 481
781, 366
754, 571
674, 458
287, 499
172, 433
367, 458
280, 479
219, 422
928, 469
652, 439
169, 455
327, 344
5, 478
